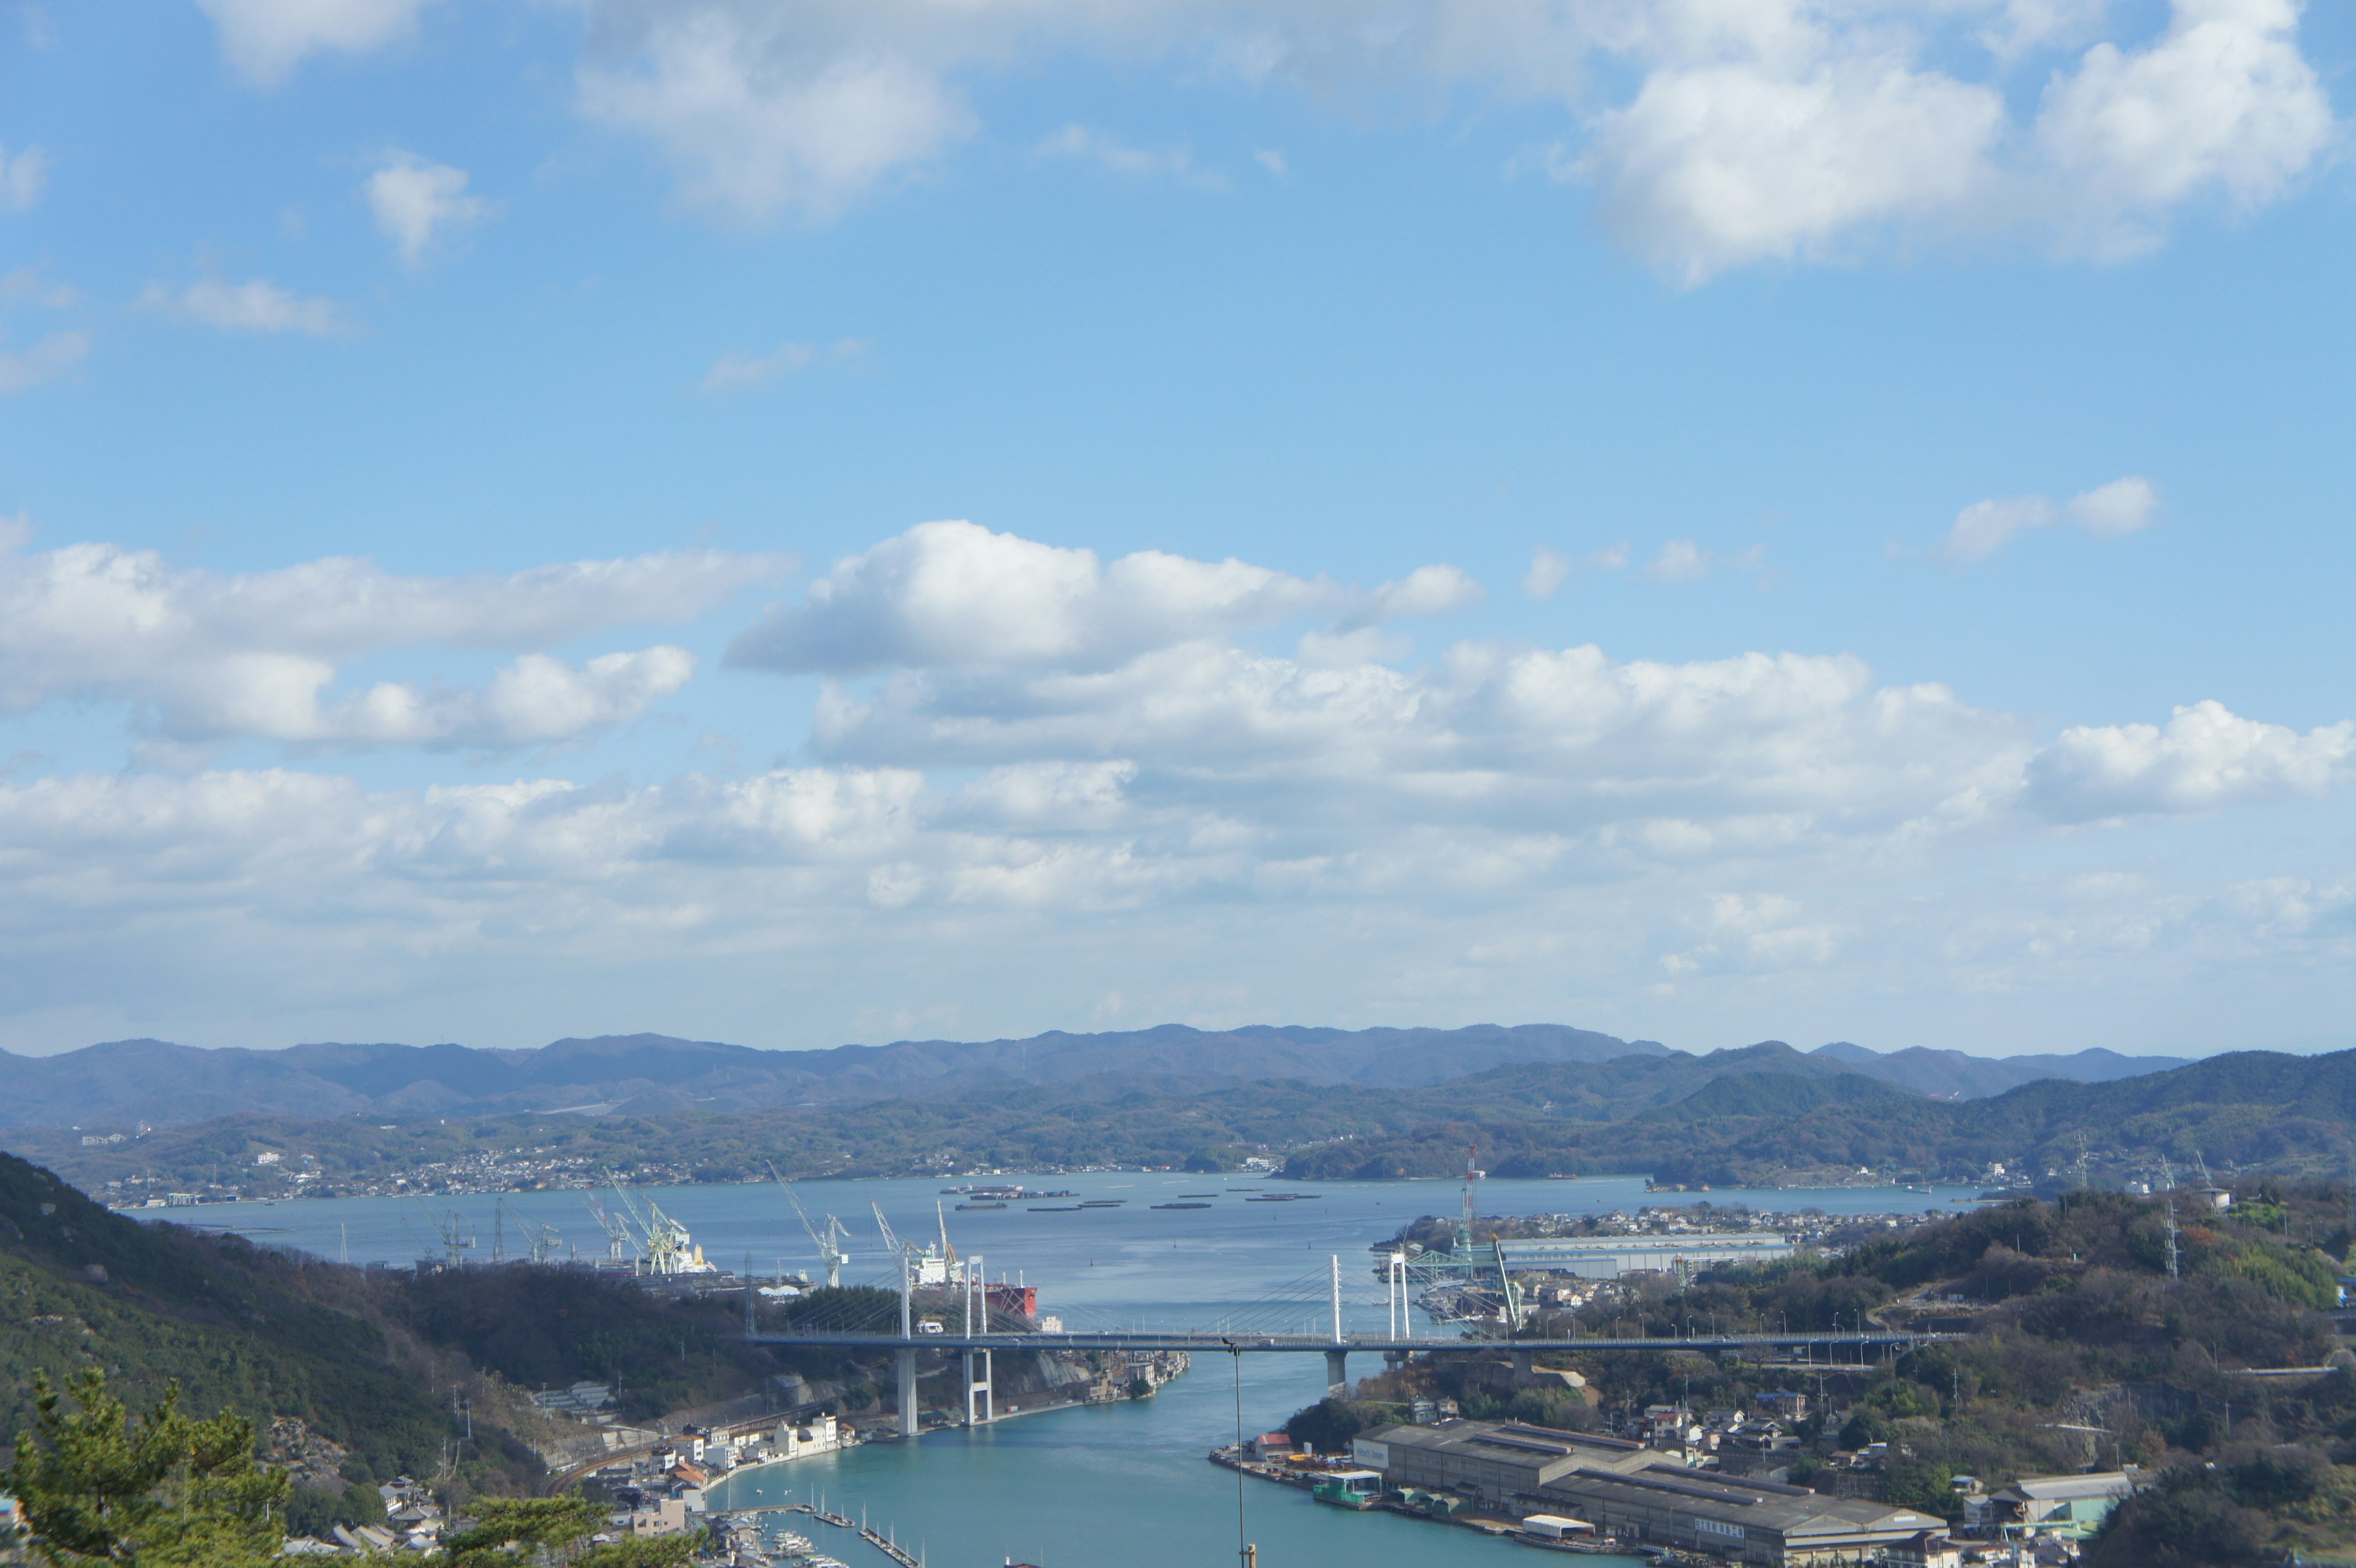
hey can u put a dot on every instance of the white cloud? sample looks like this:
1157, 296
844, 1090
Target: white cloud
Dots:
764, 110
1549, 570
1426, 591
22, 177
1069, 769
414, 200
255, 306
26, 286
952, 592
1716, 165
2108, 511
1682, 561
203, 658
2222, 104
1781, 130
2122, 506
45, 361
263, 40
2205, 757
742, 372
1080, 142
1272, 161
736, 372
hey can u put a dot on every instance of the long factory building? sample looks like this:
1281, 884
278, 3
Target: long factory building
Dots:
1607, 1257
1635, 1493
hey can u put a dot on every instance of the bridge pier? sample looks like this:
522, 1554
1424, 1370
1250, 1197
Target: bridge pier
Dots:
1337, 1376
982, 1386
909, 1425
1524, 1363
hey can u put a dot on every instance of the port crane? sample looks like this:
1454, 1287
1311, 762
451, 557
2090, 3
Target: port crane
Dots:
619, 1246
544, 1239
828, 1241
451, 1230
669, 1249
926, 1265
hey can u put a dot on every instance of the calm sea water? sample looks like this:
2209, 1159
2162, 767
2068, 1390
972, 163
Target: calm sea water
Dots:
1105, 1488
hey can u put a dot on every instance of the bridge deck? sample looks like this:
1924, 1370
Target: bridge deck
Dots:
1306, 1343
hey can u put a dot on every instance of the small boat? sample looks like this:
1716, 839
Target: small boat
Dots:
969, 1208
1182, 1205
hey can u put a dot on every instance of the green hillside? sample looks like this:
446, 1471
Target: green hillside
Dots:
366, 1359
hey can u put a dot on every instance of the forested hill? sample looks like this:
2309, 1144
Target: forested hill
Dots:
2252, 1110
123, 1084
366, 1360
1764, 1114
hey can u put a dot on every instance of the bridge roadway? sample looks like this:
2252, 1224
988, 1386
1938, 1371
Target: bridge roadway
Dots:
1209, 1341
1336, 1351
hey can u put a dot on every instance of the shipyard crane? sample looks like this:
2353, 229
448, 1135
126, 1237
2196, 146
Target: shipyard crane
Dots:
620, 1247
450, 1229
892, 1244
669, 1249
542, 1238
830, 1256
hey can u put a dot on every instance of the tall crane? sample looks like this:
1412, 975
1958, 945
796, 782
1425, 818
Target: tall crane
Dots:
669, 1249
828, 1241
542, 1238
451, 1229
619, 1246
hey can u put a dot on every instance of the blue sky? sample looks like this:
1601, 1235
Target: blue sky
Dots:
1801, 519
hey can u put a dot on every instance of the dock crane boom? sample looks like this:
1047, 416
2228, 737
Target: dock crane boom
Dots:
830, 1254
892, 1244
620, 1247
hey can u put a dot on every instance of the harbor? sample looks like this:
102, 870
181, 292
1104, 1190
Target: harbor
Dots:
1123, 1482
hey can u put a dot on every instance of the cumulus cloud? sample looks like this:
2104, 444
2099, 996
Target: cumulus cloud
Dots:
203, 658
2203, 758
956, 593
263, 40
22, 177
46, 360
2222, 104
765, 110
255, 306
2108, 511
1782, 154
1050, 743
1783, 130
414, 200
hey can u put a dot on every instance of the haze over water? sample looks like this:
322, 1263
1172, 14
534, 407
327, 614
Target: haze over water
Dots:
1126, 1484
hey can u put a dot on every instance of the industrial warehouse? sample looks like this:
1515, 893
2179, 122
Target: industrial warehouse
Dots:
1610, 1256
1634, 1494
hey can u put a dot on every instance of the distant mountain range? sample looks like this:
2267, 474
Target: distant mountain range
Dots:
124, 1083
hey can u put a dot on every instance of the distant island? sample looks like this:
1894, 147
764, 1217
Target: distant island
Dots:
1537, 1100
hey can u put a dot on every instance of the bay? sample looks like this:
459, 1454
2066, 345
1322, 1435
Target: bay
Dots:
1095, 1488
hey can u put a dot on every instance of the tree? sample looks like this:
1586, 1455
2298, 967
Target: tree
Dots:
505, 1524
509, 1530
166, 1491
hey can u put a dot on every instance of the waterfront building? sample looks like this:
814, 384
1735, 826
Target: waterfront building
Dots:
1637, 1494
1608, 1257
2070, 1506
